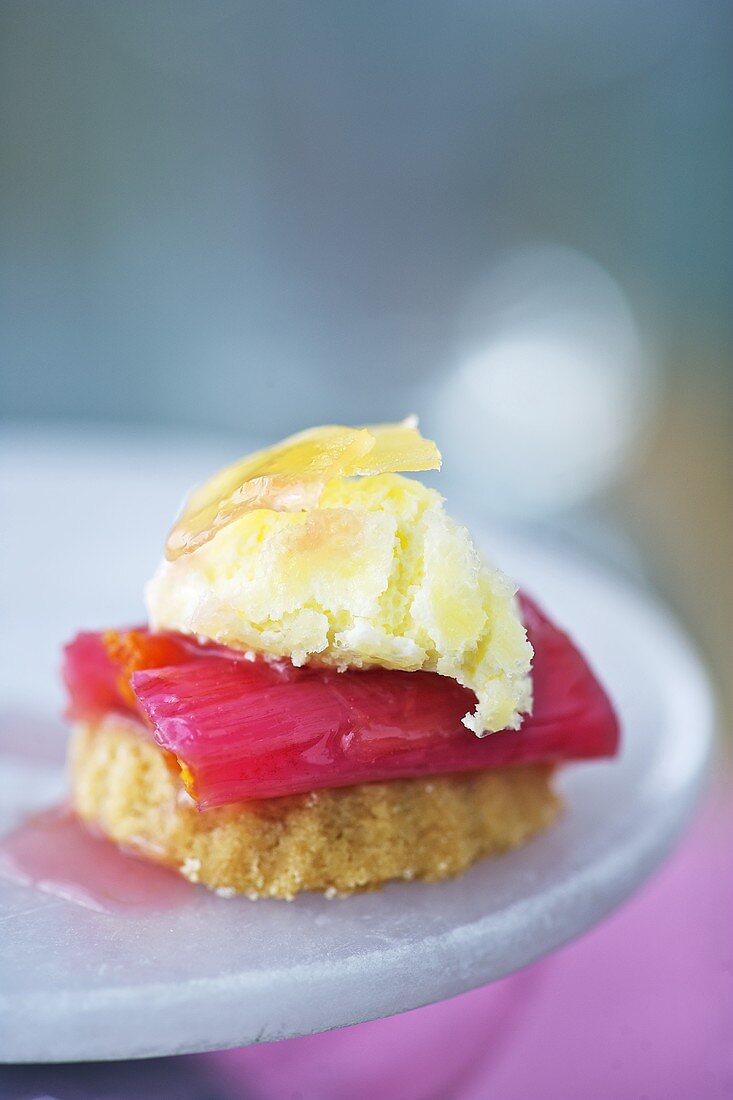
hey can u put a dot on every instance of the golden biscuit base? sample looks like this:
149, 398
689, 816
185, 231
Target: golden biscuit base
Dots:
339, 841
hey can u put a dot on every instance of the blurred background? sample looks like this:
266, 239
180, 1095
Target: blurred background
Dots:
222, 221
226, 220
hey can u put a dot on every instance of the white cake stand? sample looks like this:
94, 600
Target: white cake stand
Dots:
81, 985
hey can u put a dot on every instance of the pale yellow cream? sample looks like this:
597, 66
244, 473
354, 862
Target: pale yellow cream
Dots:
374, 572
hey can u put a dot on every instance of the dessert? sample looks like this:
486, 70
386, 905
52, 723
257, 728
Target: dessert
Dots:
333, 688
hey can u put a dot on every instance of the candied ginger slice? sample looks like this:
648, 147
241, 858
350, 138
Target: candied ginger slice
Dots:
290, 476
398, 448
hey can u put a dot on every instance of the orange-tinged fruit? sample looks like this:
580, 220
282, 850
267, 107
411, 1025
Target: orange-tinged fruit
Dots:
291, 476
186, 776
133, 650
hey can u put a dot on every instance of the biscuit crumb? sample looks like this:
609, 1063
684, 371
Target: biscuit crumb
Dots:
190, 868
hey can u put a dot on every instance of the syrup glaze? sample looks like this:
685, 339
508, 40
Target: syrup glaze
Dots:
55, 853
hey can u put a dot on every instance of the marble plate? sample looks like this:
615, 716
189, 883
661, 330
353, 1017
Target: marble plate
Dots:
81, 985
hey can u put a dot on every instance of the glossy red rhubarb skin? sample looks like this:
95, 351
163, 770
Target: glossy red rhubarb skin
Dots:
252, 729
90, 677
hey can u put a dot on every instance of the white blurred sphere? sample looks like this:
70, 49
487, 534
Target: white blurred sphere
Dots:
550, 389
